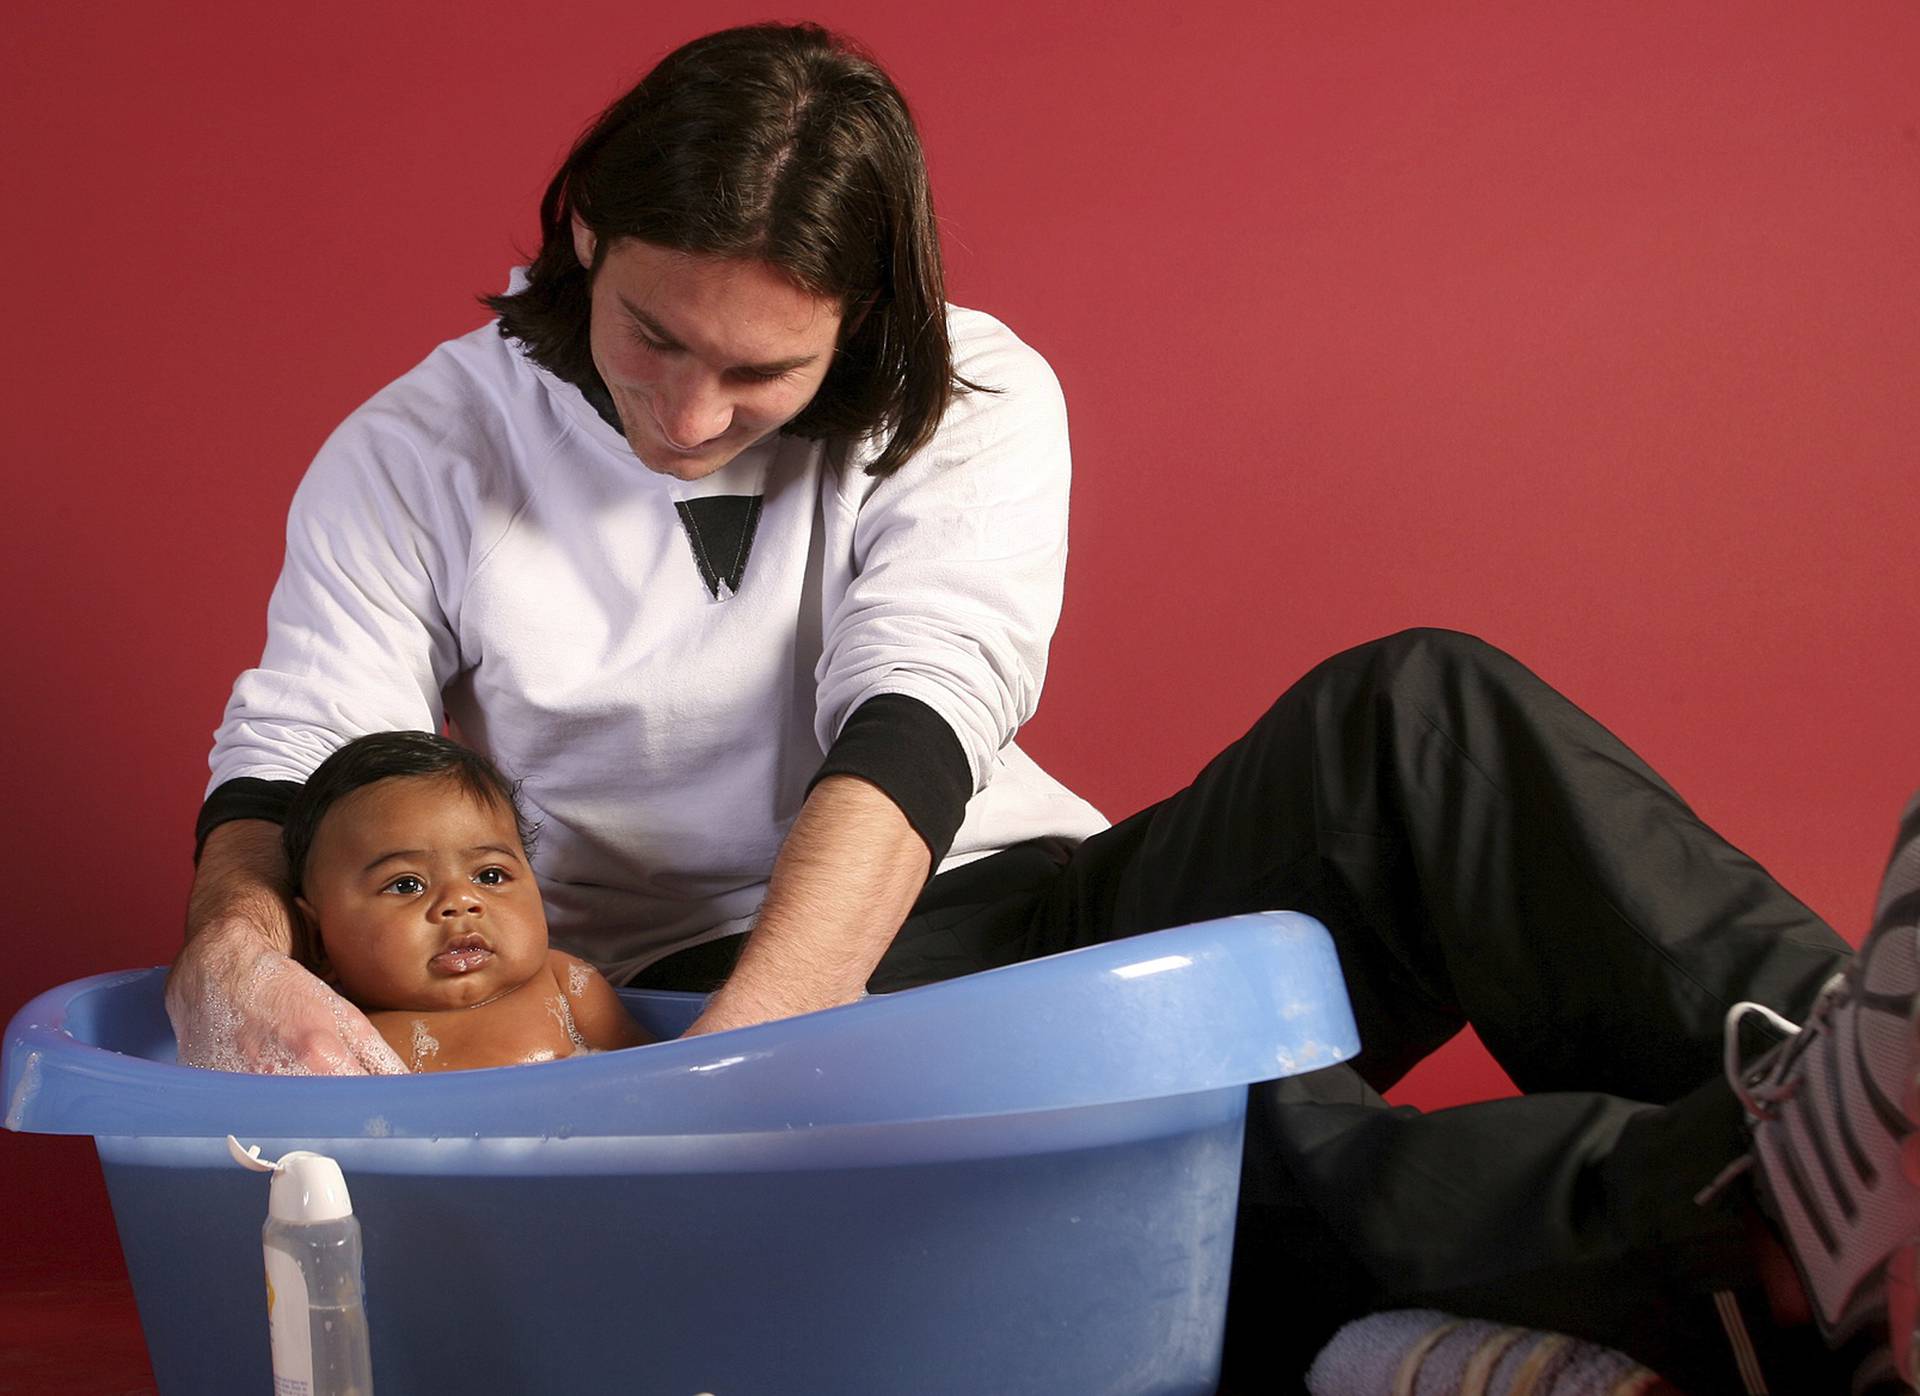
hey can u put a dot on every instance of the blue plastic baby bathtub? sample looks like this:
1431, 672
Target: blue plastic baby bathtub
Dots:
1020, 1181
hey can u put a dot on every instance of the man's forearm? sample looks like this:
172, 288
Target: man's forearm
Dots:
242, 877
849, 873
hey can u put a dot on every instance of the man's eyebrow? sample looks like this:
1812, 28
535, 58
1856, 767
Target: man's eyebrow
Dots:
667, 338
651, 325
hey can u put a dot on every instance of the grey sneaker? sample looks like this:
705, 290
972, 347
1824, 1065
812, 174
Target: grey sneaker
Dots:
1833, 1113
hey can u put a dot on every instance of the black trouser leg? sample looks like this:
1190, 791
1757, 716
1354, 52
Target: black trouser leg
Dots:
1481, 851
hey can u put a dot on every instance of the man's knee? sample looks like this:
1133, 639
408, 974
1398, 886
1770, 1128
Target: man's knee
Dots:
1449, 672
1426, 653
1424, 667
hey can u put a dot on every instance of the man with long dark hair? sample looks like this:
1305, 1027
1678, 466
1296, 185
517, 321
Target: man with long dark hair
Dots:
744, 549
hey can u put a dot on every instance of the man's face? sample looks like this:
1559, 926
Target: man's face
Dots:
423, 896
704, 356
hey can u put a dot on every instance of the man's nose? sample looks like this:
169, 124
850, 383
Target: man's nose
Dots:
691, 411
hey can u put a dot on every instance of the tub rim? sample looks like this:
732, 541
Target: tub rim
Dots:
1193, 1008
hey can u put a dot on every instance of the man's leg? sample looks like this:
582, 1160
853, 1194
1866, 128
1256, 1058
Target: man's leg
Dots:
1480, 850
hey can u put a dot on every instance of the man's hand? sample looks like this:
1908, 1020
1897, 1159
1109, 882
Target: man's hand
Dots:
237, 1001
237, 1004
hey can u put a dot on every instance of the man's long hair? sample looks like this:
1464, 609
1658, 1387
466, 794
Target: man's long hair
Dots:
784, 143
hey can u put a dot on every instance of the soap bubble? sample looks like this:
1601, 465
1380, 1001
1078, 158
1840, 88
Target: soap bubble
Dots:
562, 1012
425, 1045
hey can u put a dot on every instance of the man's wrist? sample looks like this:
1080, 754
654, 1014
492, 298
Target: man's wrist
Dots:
750, 997
239, 936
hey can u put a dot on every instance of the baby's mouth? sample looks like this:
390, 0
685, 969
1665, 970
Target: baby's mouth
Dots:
463, 955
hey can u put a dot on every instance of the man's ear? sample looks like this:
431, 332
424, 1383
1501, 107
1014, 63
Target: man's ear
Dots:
584, 242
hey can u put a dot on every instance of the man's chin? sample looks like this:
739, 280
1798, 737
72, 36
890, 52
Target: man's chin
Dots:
661, 459
684, 468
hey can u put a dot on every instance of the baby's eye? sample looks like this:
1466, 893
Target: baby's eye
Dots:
406, 885
491, 877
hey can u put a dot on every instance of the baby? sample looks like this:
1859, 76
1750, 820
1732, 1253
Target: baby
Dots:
417, 904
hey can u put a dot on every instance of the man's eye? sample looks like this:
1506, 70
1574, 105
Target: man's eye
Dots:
491, 877
407, 886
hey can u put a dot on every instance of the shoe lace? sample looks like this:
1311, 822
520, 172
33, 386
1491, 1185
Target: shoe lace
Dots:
1770, 1081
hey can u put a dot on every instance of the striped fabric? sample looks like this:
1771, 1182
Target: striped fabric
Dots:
1418, 1352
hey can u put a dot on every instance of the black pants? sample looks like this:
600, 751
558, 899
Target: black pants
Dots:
1482, 852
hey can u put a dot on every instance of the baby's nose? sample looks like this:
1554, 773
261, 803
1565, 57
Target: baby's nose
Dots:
463, 904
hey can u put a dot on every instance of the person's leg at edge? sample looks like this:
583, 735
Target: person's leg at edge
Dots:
1481, 850
1833, 1112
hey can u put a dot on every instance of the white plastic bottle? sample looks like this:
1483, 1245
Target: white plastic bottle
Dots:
316, 1309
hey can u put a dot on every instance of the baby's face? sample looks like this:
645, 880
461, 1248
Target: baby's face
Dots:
423, 897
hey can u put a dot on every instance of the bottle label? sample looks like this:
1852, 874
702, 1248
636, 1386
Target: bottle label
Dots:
289, 1325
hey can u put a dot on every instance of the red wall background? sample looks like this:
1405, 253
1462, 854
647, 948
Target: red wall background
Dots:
1594, 330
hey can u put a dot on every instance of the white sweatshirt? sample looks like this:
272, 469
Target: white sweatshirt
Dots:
475, 542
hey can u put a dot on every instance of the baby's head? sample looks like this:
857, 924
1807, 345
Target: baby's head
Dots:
408, 856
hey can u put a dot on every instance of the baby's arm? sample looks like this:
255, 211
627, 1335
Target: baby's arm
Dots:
601, 1019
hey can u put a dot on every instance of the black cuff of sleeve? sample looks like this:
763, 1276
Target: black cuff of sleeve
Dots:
244, 798
907, 749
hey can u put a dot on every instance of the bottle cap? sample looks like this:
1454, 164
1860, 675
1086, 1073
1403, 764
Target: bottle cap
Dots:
307, 1187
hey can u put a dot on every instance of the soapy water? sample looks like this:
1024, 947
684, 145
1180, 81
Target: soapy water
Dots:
283, 1022
578, 977
425, 1045
562, 1012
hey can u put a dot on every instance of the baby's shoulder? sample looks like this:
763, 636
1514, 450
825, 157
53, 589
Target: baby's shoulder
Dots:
571, 974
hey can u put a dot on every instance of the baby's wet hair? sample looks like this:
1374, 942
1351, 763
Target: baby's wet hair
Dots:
382, 756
